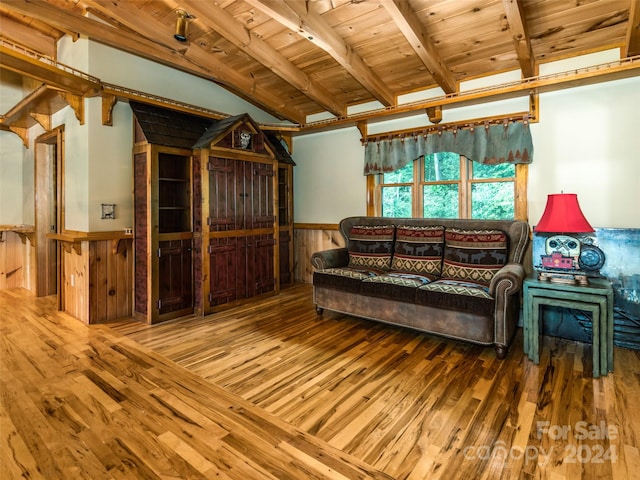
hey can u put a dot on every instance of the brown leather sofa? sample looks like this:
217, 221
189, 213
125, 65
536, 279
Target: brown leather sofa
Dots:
456, 278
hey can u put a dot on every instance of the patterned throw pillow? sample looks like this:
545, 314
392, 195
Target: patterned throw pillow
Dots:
474, 255
418, 249
371, 246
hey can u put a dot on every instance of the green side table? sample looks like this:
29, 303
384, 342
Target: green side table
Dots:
595, 298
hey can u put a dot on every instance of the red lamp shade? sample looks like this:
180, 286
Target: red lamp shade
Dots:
563, 215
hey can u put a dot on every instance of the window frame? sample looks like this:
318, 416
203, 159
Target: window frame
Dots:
375, 184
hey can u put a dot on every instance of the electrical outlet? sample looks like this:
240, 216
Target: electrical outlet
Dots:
73, 280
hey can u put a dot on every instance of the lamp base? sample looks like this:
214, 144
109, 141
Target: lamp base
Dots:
563, 277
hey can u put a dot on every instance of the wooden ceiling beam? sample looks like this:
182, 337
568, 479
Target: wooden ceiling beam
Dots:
312, 27
632, 41
193, 59
407, 21
37, 41
219, 20
513, 9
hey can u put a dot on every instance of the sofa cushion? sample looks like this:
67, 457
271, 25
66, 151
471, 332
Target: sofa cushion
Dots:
395, 285
347, 279
474, 255
418, 249
371, 247
456, 295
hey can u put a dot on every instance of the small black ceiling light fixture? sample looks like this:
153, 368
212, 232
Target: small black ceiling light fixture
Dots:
181, 25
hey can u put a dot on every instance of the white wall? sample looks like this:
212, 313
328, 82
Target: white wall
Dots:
110, 166
587, 142
328, 179
120, 68
12, 158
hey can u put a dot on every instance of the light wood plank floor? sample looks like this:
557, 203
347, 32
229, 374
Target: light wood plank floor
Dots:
270, 390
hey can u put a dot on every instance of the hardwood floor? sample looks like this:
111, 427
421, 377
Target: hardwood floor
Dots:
270, 390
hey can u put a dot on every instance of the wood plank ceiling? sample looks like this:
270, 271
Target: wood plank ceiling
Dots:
296, 58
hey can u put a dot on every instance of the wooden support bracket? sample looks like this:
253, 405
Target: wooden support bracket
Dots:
27, 235
76, 102
108, 103
22, 132
72, 246
362, 126
435, 114
43, 119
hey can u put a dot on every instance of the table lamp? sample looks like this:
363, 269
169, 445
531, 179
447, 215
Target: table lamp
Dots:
562, 216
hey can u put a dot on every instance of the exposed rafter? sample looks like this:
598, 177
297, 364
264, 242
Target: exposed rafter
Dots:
217, 18
518, 27
632, 43
194, 60
37, 40
306, 61
406, 20
312, 27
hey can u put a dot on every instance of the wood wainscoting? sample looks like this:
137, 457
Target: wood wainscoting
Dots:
96, 276
308, 239
17, 257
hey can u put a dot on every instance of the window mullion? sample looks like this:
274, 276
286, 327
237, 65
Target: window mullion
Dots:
417, 210
464, 205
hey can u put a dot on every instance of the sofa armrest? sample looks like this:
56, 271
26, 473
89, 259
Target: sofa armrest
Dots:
336, 257
508, 280
505, 285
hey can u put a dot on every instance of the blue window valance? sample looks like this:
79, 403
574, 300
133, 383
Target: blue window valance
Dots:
484, 143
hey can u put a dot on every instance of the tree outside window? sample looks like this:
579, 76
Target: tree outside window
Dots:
448, 185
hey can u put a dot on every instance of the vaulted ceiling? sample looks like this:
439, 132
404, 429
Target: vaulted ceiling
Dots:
297, 58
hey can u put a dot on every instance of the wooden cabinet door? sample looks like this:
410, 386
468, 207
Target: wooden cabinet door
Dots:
260, 268
225, 207
240, 194
227, 267
241, 267
259, 196
175, 275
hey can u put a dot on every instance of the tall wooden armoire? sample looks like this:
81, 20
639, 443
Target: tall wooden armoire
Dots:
240, 205
167, 200
213, 213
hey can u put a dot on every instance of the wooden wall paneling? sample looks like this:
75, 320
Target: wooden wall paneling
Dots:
310, 238
123, 283
97, 279
109, 291
75, 280
12, 261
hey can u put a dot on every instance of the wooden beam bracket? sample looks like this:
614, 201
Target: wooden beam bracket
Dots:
23, 133
76, 102
435, 114
108, 103
43, 120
